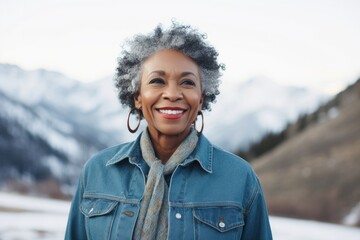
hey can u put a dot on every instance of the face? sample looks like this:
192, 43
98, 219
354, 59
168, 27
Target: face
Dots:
170, 93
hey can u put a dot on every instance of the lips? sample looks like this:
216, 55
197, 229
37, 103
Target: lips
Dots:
171, 112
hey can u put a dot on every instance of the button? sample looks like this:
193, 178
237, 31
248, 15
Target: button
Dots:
92, 209
128, 213
222, 224
178, 216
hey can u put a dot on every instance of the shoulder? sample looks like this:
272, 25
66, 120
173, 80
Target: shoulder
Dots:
222, 160
102, 157
230, 160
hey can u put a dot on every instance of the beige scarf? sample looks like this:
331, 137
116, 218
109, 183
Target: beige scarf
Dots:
152, 223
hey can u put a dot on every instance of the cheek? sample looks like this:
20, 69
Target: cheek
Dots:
147, 94
196, 103
147, 98
196, 100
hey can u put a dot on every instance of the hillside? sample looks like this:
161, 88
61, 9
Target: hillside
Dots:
314, 174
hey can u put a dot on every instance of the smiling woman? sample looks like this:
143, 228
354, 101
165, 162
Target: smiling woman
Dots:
171, 182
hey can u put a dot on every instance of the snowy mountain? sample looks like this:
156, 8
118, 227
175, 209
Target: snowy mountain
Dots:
249, 110
89, 104
45, 132
39, 142
66, 120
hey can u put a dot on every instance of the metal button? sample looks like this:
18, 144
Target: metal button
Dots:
222, 224
92, 209
178, 216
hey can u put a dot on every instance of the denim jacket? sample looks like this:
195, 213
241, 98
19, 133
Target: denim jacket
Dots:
213, 194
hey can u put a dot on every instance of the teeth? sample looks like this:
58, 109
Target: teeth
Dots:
171, 111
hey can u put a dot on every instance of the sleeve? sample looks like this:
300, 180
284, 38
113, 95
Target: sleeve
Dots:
257, 225
75, 229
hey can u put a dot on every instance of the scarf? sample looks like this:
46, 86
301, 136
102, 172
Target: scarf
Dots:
152, 223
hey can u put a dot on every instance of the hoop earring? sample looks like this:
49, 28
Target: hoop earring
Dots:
139, 120
202, 123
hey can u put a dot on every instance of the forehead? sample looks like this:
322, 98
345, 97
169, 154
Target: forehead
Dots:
170, 60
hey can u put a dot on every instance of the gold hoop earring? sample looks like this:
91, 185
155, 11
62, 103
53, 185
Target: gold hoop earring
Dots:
139, 120
202, 123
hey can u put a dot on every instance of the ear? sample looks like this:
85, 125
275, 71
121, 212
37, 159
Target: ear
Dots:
201, 103
137, 100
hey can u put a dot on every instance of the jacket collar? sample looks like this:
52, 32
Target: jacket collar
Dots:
130, 151
203, 154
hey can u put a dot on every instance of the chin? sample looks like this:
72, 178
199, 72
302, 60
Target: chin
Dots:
174, 131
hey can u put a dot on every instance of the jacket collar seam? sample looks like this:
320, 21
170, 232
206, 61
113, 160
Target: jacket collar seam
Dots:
205, 163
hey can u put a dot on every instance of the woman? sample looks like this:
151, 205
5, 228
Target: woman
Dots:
171, 182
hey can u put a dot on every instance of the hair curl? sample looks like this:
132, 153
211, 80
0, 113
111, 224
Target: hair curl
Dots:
182, 38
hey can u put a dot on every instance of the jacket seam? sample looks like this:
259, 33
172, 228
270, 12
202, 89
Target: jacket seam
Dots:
207, 204
252, 200
110, 197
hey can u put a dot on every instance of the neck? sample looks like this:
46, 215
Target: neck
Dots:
165, 145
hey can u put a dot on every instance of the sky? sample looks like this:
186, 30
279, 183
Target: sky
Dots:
306, 43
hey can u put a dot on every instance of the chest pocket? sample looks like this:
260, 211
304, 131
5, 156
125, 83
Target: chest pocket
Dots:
99, 217
218, 223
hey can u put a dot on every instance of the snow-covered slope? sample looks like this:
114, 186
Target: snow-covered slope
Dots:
43, 132
34, 218
91, 104
38, 143
246, 111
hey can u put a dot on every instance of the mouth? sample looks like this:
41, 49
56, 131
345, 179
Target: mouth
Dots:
171, 112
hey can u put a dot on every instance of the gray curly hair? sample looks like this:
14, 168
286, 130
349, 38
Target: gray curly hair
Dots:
182, 38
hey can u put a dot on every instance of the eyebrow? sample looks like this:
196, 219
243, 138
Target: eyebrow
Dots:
162, 73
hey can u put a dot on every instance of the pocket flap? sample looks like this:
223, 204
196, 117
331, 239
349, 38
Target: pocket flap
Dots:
91, 207
220, 218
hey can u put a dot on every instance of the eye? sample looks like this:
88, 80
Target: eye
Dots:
188, 82
156, 81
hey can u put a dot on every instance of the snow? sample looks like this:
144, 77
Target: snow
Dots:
32, 226
44, 125
295, 229
255, 107
24, 217
33, 204
354, 216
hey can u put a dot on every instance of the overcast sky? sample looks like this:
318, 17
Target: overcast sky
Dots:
311, 43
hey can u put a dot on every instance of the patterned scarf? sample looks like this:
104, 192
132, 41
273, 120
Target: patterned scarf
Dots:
152, 223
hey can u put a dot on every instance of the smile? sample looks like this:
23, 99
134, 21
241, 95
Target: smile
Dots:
171, 112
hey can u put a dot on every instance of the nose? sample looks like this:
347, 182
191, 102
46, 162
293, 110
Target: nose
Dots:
172, 93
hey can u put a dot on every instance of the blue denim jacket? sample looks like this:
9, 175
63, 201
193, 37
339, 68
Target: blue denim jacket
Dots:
213, 194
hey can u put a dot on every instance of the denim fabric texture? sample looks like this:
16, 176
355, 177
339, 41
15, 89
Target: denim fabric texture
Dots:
213, 194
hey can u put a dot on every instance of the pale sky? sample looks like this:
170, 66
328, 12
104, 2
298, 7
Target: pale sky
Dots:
310, 43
